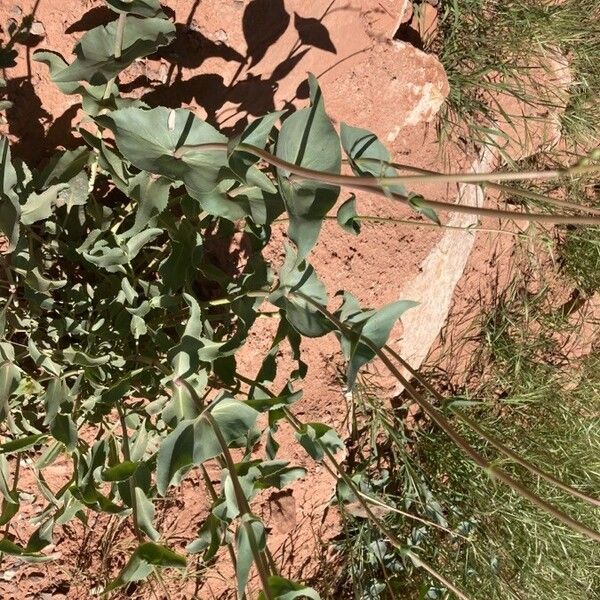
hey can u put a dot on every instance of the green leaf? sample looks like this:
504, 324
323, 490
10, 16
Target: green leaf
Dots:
143, 561
10, 507
56, 64
193, 348
150, 139
95, 61
41, 537
368, 156
63, 167
10, 377
346, 216
194, 441
10, 209
10, 495
160, 556
120, 472
145, 513
82, 359
210, 537
39, 206
301, 277
142, 8
284, 589
8, 547
41, 360
314, 437
185, 257
277, 473
251, 537
376, 326
64, 430
420, 205
23, 443
307, 138
57, 393
184, 400
152, 195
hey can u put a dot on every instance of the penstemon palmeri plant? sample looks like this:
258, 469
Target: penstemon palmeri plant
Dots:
118, 321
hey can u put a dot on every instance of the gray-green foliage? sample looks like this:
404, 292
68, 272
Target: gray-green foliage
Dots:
115, 310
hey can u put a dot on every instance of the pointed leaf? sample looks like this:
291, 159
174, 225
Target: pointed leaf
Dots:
120, 472
368, 156
314, 437
347, 216
251, 537
193, 442
145, 511
307, 138
150, 138
284, 589
95, 60
302, 278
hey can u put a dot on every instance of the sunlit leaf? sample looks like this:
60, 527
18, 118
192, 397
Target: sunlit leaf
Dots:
295, 278
316, 438
95, 61
307, 138
251, 538
194, 441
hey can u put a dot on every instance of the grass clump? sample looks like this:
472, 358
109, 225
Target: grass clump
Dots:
489, 48
581, 255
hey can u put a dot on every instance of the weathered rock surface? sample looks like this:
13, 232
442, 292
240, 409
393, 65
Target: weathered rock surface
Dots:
394, 86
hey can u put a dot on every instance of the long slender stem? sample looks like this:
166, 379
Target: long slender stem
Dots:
490, 438
430, 224
377, 182
495, 186
442, 422
375, 185
127, 457
243, 506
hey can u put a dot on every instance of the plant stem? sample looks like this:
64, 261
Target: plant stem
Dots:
491, 439
213, 496
375, 219
243, 506
495, 186
127, 457
117, 49
375, 185
442, 422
